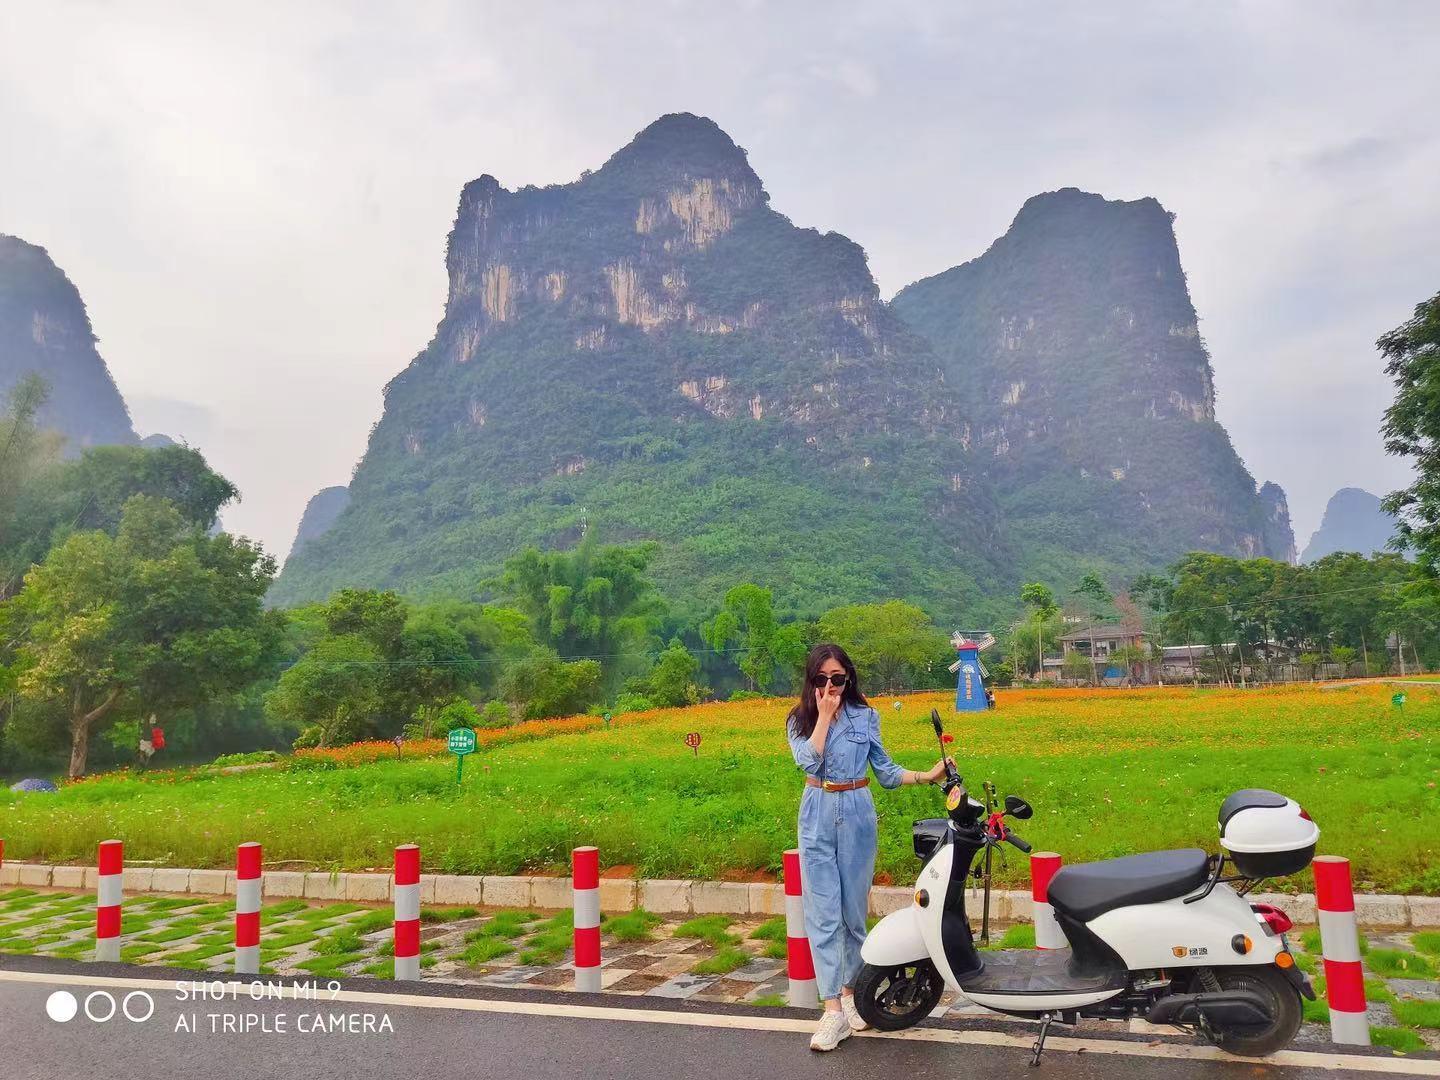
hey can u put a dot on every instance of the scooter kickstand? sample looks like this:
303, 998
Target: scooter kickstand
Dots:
1039, 1046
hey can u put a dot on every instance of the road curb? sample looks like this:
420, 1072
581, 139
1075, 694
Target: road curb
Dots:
661, 896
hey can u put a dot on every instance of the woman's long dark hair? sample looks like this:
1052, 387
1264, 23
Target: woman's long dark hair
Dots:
803, 717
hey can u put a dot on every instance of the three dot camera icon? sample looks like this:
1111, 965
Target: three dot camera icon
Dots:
100, 1006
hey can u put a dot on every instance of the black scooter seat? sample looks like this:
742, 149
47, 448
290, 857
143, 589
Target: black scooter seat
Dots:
1086, 891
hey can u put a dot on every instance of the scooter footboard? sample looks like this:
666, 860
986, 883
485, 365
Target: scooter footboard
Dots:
895, 940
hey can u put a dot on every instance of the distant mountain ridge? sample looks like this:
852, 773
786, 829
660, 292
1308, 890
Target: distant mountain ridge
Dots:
45, 329
1354, 521
1076, 351
653, 352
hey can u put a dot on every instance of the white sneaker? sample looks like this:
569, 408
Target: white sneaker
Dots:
852, 1014
833, 1030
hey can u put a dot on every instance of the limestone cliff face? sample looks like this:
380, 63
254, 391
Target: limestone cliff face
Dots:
655, 352
44, 329
321, 513
1354, 521
1075, 349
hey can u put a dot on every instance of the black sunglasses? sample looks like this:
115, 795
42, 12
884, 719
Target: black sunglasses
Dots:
838, 679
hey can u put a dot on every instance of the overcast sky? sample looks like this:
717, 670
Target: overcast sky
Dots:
253, 198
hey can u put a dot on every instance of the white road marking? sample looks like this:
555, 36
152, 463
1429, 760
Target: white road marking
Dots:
1307, 1059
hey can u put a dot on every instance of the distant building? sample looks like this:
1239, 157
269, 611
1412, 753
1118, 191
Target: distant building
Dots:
1100, 641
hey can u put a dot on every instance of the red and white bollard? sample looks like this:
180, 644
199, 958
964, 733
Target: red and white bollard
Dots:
407, 912
107, 901
1048, 935
800, 964
1340, 945
247, 909
585, 864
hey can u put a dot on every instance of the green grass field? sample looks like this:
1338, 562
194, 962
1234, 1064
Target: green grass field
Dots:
1109, 773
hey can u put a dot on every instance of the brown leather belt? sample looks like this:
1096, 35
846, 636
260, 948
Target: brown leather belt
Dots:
831, 785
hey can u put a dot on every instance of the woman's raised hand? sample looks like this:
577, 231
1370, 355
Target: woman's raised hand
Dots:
937, 774
827, 701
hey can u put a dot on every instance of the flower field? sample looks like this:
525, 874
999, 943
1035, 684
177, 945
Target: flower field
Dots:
1109, 772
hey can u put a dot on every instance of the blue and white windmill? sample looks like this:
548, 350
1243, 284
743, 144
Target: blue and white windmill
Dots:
970, 695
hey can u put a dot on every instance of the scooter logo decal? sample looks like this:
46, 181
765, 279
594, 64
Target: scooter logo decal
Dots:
953, 799
1182, 952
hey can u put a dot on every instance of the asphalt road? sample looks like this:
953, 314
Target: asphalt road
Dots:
441, 1032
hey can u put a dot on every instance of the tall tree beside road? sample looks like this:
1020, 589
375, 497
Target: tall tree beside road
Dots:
1099, 603
748, 620
1412, 428
895, 646
158, 616
592, 601
1041, 600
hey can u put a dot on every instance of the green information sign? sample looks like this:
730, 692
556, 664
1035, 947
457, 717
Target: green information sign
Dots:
461, 741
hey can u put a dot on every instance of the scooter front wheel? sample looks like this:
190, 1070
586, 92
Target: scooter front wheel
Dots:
895, 997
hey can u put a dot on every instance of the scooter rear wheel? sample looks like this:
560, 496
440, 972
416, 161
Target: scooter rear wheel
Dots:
1284, 1008
892, 998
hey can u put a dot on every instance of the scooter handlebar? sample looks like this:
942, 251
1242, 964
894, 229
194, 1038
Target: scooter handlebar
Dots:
1011, 838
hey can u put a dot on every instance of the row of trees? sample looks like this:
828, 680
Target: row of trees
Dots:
1243, 615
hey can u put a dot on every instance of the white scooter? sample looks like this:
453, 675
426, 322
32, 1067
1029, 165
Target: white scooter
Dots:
1161, 936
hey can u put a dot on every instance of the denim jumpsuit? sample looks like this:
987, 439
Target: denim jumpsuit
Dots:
838, 841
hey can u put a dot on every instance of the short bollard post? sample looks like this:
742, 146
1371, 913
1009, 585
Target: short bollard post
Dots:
1048, 935
247, 909
1340, 945
407, 912
585, 863
800, 965
107, 901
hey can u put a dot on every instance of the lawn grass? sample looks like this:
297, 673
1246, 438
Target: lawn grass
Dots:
1397, 964
1427, 941
633, 926
770, 930
726, 960
551, 940
483, 949
371, 921
1424, 1014
1397, 1038
770, 1001
1092, 762
508, 923
447, 914
712, 928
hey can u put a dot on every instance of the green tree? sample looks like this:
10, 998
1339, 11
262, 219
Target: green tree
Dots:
159, 616
1042, 622
747, 618
593, 600
543, 686
1099, 603
894, 645
332, 692
88, 492
674, 680
1412, 427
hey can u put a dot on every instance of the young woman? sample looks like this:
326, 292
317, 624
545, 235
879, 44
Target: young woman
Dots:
835, 736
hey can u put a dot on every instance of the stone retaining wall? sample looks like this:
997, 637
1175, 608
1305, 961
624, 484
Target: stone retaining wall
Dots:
663, 897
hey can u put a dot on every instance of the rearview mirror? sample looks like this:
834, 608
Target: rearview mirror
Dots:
935, 720
1017, 807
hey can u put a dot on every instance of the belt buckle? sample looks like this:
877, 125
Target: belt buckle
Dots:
829, 785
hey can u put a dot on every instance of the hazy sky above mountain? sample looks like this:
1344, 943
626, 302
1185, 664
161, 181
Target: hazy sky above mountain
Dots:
253, 199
